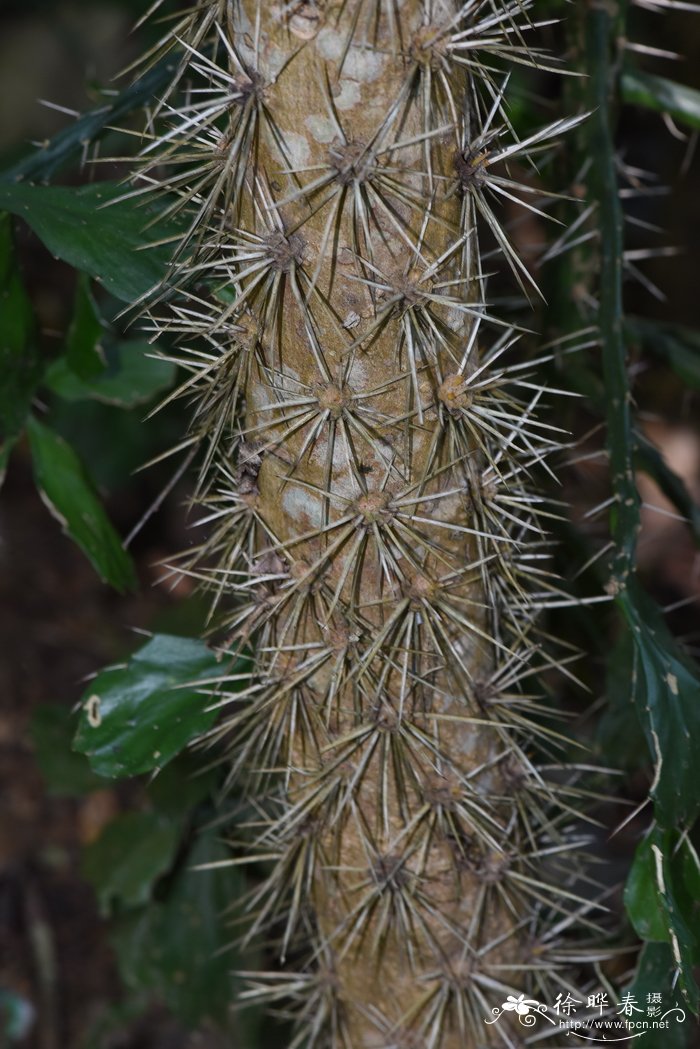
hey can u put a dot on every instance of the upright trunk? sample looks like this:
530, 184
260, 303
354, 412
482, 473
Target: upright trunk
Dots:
372, 514
377, 626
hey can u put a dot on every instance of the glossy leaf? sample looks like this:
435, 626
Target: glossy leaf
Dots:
84, 354
176, 947
127, 859
65, 772
662, 95
20, 366
132, 376
642, 902
118, 242
655, 975
666, 687
661, 898
138, 716
68, 491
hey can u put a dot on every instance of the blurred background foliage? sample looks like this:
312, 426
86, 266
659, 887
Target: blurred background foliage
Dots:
111, 940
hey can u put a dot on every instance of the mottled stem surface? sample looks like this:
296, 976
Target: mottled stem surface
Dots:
365, 488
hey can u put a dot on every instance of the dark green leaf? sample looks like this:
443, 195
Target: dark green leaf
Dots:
132, 376
654, 975
113, 443
5, 453
619, 734
666, 687
20, 367
84, 354
65, 772
662, 95
661, 898
176, 947
137, 717
107, 240
678, 346
68, 491
43, 163
650, 460
642, 900
183, 784
111, 1026
127, 859
603, 25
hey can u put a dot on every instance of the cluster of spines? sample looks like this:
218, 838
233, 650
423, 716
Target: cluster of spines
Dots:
351, 716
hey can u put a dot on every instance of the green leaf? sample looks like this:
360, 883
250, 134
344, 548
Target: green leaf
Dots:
176, 947
666, 687
20, 366
137, 717
619, 734
94, 232
66, 773
654, 975
651, 461
183, 784
642, 900
603, 25
83, 351
43, 163
127, 859
661, 898
111, 1026
69, 493
662, 95
114, 443
678, 346
132, 376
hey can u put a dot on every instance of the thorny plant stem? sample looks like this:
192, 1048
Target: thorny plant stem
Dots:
369, 459
604, 28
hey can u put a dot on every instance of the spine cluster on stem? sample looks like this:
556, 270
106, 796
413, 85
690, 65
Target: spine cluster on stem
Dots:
369, 440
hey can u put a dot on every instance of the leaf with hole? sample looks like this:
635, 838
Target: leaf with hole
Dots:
138, 716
